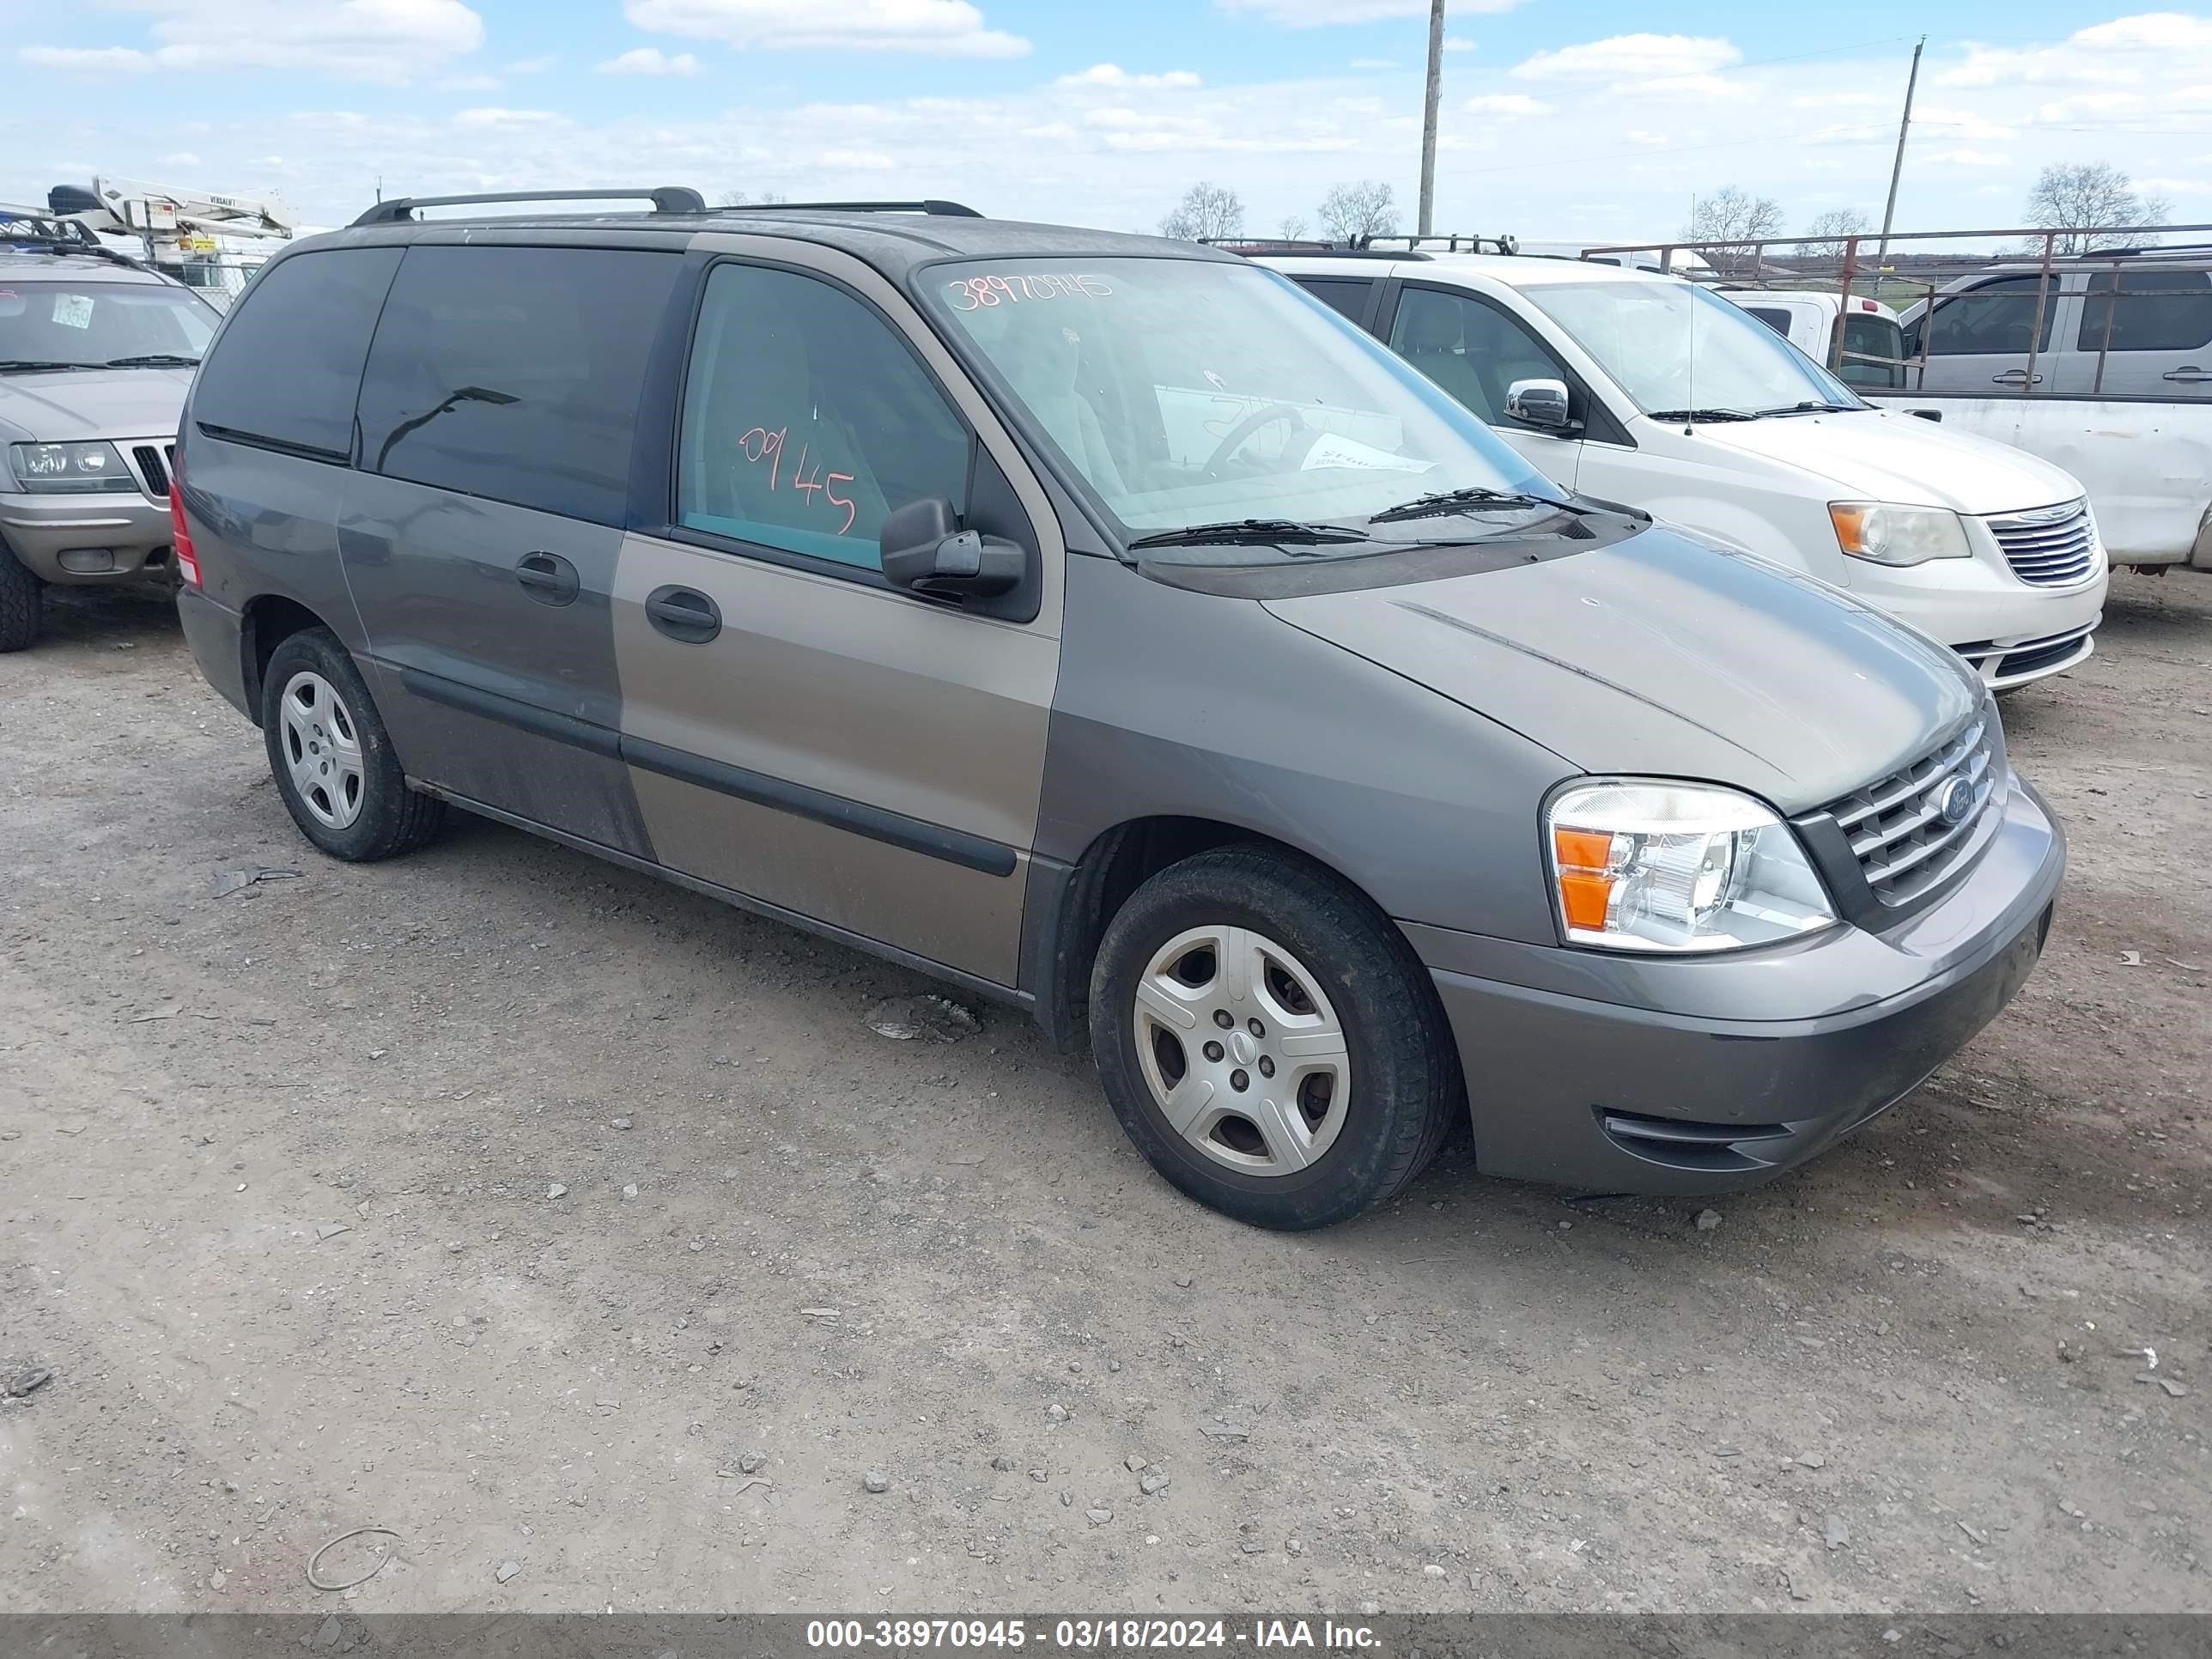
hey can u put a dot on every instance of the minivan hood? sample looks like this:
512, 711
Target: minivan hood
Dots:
1879, 455
70, 405
1663, 657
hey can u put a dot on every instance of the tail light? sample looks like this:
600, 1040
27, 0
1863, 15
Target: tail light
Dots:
181, 537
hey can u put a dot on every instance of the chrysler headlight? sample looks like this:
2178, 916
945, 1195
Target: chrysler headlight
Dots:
83, 469
1646, 865
1898, 535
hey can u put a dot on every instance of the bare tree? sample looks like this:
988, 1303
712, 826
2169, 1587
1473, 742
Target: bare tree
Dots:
1836, 222
1293, 227
1352, 212
738, 199
1206, 211
2070, 196
1730, 220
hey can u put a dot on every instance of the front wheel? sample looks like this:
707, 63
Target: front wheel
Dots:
22, 600
1268, 1040
332, 759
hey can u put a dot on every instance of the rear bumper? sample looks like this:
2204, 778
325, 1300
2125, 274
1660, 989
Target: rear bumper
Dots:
1666, 1092
86, 539
214, 633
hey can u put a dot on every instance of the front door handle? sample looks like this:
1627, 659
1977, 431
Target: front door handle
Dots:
2015, 377
2188, 374
547, 578
684, 613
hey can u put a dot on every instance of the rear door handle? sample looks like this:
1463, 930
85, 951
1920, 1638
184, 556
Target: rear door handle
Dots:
684, 613
2015, 377
2188, 374
547, 578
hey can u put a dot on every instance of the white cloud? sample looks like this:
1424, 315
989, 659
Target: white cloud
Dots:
507, 119
1113, 75
650, 60
354, 39
2123, 51
864, 161
183, 158
1313, 14
1458, 43
87, 60
1963, 158
531, 66
1632, 58
1506, 103
942, 28
470, 83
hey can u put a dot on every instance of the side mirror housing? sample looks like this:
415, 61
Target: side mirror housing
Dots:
1540, 403
926, 551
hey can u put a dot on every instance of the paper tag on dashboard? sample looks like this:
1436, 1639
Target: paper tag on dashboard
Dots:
1331, 450
73, 310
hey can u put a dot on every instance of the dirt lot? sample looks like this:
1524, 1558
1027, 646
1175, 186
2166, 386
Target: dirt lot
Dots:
274, 1171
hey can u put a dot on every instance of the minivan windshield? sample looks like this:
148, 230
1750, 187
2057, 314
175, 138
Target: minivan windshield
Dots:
101, 325
1683, 353
1190, 392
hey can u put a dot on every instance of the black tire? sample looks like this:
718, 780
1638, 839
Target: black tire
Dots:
1404, 1089
22, 603
393, 819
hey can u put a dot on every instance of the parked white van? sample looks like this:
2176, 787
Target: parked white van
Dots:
1659, 393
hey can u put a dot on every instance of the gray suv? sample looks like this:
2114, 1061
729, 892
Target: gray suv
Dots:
96, 351
1104, 627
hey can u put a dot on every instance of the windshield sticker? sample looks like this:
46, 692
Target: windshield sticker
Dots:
1330, 450
974, 293
759, 444
73, 310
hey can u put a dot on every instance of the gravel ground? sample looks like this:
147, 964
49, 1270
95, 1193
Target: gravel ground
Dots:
582, 1233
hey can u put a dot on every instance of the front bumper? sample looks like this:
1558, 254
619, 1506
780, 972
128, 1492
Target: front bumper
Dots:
1968, 604
86, 539
1611, 1073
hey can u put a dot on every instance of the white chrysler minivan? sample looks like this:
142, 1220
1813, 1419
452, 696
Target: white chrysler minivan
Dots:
1653, 392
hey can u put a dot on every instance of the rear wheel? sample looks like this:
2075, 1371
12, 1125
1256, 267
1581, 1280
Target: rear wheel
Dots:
332, 759
1268, 1040
22, 602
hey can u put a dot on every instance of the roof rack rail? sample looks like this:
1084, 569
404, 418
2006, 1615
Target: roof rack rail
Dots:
668, 198
933, 207
1462, 242
1267, 249
29, 229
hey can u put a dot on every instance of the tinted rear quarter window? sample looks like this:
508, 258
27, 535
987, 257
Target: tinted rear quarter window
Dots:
514, 373
1347, 295
286, 366
1777, 319
2157, 311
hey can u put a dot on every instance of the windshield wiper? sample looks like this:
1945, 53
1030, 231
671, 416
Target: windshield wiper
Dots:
10, 365
1702, 415
152, 359
1255, 531
1809, 407
1438, 502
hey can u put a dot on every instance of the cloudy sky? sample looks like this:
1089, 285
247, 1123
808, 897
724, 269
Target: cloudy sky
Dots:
1562, 118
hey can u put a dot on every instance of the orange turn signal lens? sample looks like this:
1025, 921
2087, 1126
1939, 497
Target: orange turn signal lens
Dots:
1582, 849
1850, 525
1585, 899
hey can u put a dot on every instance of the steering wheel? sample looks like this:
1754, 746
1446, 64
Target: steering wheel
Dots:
1242, 433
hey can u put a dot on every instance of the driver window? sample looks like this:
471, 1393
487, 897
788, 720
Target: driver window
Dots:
807, 420
1473, 351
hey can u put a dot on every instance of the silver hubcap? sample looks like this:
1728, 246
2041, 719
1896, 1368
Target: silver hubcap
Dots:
1242, 1052
322, 750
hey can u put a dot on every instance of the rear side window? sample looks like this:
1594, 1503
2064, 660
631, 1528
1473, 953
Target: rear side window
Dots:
807, 420
288, 366
1775, 320
1868, 336
2156, 311
514, 373
1346, 296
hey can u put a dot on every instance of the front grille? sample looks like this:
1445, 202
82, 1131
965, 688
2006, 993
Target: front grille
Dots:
155, 463
1895, 824
2050, 547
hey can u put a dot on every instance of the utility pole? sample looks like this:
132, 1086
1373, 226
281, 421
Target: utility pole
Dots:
1429, 117
1897, 169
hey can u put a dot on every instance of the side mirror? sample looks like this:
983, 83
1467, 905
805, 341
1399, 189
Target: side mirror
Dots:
1540, 403
926, 551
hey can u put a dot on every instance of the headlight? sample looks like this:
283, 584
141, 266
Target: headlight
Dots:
1898, 535
1642, 865
70, 469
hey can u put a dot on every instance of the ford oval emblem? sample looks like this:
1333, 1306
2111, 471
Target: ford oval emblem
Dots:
1956, 801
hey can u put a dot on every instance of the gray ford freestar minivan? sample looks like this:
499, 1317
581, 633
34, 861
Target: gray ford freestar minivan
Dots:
1103, 625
